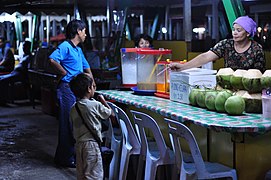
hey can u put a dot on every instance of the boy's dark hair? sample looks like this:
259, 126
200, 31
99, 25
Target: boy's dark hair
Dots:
143, 36
73, 26
79, 85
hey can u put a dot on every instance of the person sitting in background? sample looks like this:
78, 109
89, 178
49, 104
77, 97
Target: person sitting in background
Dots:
239, 52
20, 71
143, 41
88, 155
7, 60
19, 74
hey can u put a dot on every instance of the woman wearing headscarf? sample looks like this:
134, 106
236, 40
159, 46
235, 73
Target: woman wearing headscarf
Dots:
240, 52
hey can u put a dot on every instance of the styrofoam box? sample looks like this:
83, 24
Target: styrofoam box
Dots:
266, 102
181, 82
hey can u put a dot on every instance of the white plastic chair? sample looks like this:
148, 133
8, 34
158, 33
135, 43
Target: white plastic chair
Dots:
130, 142
154, 158
116, 142
198, 169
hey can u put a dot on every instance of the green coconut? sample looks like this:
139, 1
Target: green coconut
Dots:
192, 96
200, 98
220, 100
266, 79
253, 102
252, 81
210, 100
235, 105
236, 79
223, 77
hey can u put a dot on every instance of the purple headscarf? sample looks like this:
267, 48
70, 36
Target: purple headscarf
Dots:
247, 23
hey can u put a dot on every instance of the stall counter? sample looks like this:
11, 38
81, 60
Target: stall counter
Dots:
183, 112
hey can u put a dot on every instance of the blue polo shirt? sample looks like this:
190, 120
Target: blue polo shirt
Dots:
71, 59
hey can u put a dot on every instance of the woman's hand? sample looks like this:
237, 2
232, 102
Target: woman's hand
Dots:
176, 66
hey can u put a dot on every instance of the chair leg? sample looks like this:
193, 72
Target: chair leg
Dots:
140, 167
11, 92
32, 96
124, 164
150, 170
183, 175
114, 165
175, 173
132, 167
234, 176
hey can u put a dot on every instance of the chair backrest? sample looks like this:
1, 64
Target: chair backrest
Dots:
127, 128
115, 134
178, 130
116, 146
144, 121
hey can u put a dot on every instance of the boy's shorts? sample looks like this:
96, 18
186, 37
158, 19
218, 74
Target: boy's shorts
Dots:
88, 160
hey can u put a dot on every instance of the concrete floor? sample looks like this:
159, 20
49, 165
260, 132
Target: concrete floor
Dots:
28, 139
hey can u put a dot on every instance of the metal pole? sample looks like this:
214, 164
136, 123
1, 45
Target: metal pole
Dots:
33, 32
68, 18
215, 34
89, 26
209, 25
47, 29
30, 26
166, 22
170, 29
54, 28
110, 5
141, 23
187, 21
41, 29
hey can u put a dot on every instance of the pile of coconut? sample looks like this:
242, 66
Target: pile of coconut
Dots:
245, 83
217, 100
237, 92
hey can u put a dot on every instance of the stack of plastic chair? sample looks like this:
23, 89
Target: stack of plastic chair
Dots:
156, 157
198, 169
130, 142
116, 142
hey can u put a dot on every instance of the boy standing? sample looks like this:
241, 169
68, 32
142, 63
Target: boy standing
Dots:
88, 155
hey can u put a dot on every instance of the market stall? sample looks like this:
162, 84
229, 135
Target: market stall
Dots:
242, 142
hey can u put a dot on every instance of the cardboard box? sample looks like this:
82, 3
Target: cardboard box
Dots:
181, 83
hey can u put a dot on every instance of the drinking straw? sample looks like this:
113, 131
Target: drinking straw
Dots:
163, 71
154, 67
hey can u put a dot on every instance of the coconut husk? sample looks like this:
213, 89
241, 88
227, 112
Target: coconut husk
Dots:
266, 79
252, 81
252, 74
267, 73
236, 79
253, 102
223, 77
225, 71
240, 92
